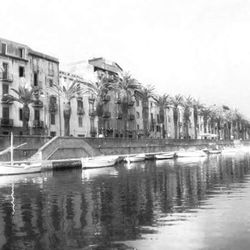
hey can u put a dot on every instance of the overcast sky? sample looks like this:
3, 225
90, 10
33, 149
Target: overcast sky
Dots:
192, 47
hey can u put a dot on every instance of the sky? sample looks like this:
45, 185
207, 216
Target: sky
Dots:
190, 47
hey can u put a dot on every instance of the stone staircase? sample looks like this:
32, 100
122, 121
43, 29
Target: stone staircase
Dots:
65, 148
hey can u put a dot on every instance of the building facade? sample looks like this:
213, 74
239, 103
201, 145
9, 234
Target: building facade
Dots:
22, 66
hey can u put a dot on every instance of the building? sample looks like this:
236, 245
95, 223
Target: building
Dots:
22, 66
83, 120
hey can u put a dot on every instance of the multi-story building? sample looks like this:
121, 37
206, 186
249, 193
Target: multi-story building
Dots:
83, 120
20, 65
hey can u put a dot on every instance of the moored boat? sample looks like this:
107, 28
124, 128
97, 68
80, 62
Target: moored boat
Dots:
168, 155
14, 168
197, 153
135, 158
23, 168
214, 151
99, 162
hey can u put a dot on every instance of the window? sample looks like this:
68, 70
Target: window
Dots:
52, 133
6, 112
80, 121
21, 52
5, 70
79, 104
138, 126
35, 79
37, 115
51, 82
137, 103
158, 118
137, 115
4, 48
51, 70
20, 114
52, 119
21, 71
5, 89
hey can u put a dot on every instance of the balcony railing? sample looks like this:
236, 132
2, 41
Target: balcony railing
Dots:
37, 104
131, 103
6, 100
5, 122
6, 76
106, 114
91, 99
80, 111
37, 124
92, 113
106, 98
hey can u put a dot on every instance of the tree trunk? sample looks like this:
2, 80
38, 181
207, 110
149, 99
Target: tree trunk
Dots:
26, 117
66, 115
176, 123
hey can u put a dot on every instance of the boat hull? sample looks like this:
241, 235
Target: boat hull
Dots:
191, 154
20, 169
165, 156
99, 162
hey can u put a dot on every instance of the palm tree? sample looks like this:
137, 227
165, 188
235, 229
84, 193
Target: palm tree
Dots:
205, 112
197, 106
176, 101
68, 93
188, 104
163, 102
126, 87
146, 93
25, 96
102, 88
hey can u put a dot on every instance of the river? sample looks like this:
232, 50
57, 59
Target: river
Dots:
171, 204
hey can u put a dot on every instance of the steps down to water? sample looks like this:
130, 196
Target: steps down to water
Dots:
65, 148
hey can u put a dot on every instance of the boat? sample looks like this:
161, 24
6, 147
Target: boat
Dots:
23, 168
99, 162
168, 155
15, 168
197, 153
214, 151
135, 158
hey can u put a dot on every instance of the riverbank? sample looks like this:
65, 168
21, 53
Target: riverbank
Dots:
45, 148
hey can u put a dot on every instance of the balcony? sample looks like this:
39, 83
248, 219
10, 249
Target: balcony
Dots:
106, 114
37, 124
6, 100
131, 117
119, 116
131, 103
91, 99
6, 76
106, 98
6, 122
92, 113
37, 104
80, 111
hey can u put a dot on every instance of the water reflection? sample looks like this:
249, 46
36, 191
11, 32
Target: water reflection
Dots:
92, 209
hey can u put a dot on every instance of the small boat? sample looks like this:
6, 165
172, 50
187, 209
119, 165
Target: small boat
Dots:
198, 153
99, 162
23, 168
214, 151
135, 158
168, 155
14, 168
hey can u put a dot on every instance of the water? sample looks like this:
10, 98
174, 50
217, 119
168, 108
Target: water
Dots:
194, 204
